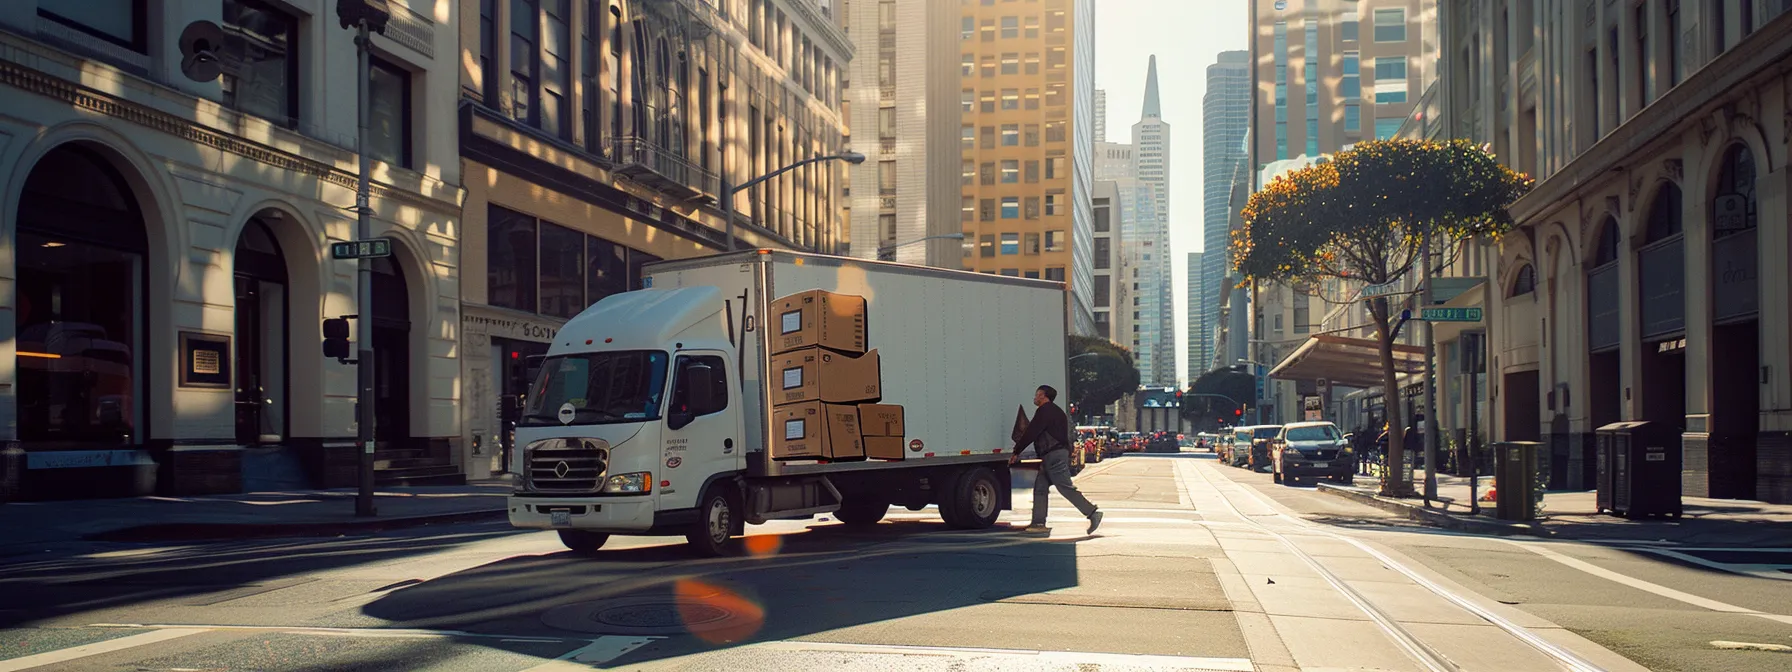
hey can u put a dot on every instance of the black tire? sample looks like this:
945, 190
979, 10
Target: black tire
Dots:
718, 521
862, 511
583, 542
976, 500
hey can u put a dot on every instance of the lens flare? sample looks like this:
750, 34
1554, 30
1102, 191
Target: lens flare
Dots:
763, 545
701, 605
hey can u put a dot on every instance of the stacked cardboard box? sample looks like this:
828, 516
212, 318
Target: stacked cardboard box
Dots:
882, 425
820, 372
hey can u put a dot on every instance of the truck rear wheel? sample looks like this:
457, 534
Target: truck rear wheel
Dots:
976, 500
862, 511
718, 518
583, 542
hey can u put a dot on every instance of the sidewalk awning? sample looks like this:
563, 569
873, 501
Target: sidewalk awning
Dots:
1351, 362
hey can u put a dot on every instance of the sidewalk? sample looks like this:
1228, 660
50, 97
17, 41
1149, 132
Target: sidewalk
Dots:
262, 514
1572, 515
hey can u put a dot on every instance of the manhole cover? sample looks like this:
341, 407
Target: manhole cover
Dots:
644, 616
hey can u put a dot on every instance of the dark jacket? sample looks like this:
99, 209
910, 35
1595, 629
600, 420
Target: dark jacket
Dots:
1049, 421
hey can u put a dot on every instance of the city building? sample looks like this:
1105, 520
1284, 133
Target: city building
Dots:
1200, 335
1157, 298
1104, 258
1325, 75
1030, 108
1225, 118
1101, 115
166, 244
1647, 279
906, 201
601, 135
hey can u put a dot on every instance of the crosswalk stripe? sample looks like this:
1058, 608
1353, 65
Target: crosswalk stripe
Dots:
94, 649
1118, 660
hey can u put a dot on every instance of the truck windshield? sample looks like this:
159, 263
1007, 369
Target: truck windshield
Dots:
1313, 433
598, 388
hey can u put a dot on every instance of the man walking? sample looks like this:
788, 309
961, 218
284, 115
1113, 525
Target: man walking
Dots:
1049, 434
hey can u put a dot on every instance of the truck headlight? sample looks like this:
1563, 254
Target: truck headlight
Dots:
639, 482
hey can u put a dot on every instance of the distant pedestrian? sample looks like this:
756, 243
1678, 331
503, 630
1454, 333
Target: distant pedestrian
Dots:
1049, 434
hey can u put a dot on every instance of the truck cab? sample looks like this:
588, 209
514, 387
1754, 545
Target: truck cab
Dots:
634, 414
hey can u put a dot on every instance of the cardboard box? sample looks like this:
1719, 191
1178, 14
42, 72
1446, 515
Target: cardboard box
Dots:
817, 431
885, 447
818, 374
881, 419
818, 318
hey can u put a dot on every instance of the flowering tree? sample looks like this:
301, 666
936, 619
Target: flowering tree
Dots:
1364, 217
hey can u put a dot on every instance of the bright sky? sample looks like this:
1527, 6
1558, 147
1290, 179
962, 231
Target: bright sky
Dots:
1186, 36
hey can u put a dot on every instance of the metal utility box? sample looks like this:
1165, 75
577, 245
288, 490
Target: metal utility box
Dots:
1516, 471
1639, 469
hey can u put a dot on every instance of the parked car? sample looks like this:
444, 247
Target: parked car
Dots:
1257, 437
1312, 450
1162, 442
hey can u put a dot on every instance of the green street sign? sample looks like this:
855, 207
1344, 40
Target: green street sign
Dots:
1450, 314
362, 249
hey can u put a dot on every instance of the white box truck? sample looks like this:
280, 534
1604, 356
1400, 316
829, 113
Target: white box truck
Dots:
653, 412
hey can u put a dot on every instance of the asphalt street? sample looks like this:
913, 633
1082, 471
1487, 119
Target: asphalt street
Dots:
1196, 567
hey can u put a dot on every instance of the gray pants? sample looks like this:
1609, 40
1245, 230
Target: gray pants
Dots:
1055, 470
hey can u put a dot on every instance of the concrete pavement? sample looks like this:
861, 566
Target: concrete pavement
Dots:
1196, 567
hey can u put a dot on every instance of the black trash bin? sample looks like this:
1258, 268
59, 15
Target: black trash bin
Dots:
1639, 469
1516, 476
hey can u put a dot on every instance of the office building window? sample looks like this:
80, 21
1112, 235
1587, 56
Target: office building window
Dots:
967, 100
886, 223
1103, 215
1010, 135
1031, 274
1387, 127
1010, 171
488, 44
987, 246
988, 169
1390, 25
1353, 118
1032, 26
1032, 244
1010, 207
1350, 85
1055, 167
1103, 290
1011, 272
556, 75
967, 28
1348, 29
967, 173
987, 30
886, 122
1673, 42
1032, 99
1011, 63
986, 210
967, 65
525, 61
1312, 137
1054, 241
1054, 131
1032, 135
1032, 63
1103, 253
1054, 273
389, 113
1010, 243
1010, 27
1391, 85
967, 137
1053, 204
967, 209
986, 101
1010, 99
886, 178
264, 79
989, 66
1032, 171
1032, 207
1281, 140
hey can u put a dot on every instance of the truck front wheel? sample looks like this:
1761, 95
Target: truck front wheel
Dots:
718, 516
976, 500
582, 542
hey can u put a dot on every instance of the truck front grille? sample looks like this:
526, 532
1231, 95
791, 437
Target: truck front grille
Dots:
567, 465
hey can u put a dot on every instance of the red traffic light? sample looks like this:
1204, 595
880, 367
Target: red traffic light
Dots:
1238, 412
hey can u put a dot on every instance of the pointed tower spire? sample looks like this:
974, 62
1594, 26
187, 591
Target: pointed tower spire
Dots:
1151, 107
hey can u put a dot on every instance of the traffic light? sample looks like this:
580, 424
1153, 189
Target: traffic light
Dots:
336, 338
1238, 412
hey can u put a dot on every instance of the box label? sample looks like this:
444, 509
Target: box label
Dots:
793, 377
793, 429
790, 322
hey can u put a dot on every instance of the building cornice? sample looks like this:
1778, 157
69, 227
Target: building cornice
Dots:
1764, 54
445, 198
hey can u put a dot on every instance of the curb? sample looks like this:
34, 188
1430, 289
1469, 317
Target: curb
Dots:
217, 531
1437, 518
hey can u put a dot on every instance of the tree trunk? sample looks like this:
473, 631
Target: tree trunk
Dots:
1393, 483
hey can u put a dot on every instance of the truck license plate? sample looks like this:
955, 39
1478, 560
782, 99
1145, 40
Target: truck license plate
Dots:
560, 518
1321, 465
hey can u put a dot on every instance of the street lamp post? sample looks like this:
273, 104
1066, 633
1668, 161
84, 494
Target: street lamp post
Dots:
727, 200
366, 17
891, 249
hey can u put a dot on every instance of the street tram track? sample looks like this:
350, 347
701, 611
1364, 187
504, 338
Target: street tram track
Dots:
1410, 644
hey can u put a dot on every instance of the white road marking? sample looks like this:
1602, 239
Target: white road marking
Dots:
601, 650
76, 652
1540, 548
1120, 660
1755, 570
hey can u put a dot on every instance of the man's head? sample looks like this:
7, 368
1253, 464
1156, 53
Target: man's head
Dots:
1044, 395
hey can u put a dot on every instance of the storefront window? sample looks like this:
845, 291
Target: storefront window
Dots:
541, 267
562, 271
510, 267
80, 251
606, 268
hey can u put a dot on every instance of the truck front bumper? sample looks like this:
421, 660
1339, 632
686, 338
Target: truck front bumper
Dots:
599, 514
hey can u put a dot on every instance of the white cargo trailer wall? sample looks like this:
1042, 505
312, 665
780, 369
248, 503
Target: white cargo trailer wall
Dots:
960, 351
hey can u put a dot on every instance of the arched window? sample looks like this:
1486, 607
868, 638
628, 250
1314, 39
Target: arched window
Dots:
1733, 207
1664, 214
1607, 251
1524, 282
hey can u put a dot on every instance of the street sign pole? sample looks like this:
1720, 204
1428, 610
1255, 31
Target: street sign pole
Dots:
364, 304
1430, 429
